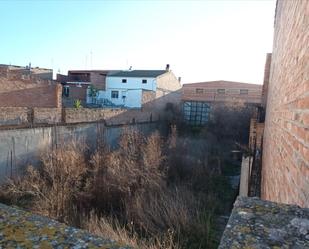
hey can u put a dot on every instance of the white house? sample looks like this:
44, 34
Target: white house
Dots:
129, 88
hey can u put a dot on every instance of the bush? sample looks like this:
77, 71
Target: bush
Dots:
148, 193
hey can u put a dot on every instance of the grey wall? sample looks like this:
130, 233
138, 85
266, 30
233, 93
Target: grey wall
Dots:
21, 147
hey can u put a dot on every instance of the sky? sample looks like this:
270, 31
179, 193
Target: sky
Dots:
201, 40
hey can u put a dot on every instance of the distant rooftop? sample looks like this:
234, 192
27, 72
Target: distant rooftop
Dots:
138, 73
92, 71
33, 69
223, 83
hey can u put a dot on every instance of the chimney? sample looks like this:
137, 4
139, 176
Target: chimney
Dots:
167, 67
179, 79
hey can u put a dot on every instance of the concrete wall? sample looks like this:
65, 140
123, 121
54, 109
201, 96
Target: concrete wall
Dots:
168, 82
21, 147
285, 170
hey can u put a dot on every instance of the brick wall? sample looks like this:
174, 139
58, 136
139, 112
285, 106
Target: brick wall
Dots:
98, 80
222, 91
41, 96
26, 91
285, 170
75, 93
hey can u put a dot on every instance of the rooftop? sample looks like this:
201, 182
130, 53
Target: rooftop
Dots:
33, 69
92, 71
138, 73
222, 83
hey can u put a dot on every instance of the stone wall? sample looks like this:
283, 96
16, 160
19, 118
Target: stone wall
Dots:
285, 170
257, 224
110, 116
23, 229
14, 116
47, 115
18, 116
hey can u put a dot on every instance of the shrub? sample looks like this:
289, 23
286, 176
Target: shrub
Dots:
77, 104
54, 186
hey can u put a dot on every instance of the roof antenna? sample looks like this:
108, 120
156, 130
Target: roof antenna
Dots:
91, 59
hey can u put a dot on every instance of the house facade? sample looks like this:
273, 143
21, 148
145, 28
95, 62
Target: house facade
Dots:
197, 98
138, 88
77, 82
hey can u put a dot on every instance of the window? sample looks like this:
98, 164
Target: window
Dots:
199, 91
221, 91
66, 91
144, 81
124, 80
243, 91
232, 91
115, 94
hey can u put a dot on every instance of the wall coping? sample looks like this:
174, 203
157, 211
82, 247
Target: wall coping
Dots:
255, 223
22, 229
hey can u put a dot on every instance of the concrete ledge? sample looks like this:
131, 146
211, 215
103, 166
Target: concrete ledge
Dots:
21, 229
255, 223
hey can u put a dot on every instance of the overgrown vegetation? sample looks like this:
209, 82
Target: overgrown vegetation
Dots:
150, 192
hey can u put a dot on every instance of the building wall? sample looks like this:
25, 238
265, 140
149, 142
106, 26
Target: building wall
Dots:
285, 170
168, 82
98, 80
132, 83
76, 92
137, 93
39, 96
210, 92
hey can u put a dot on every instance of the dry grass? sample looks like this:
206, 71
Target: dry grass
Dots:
112, 229
124, 194
55, 185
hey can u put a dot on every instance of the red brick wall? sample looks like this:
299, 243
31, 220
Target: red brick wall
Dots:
41, 96
285, 170
79, 93
208, 91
